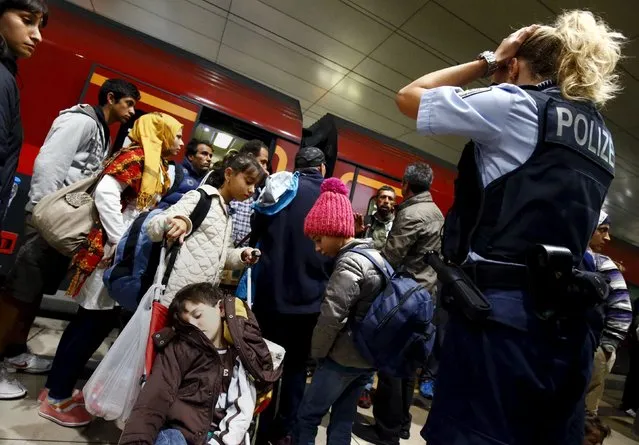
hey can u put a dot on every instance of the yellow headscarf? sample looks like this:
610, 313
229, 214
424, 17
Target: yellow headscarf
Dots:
155, 133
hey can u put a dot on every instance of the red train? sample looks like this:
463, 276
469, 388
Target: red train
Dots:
81, 50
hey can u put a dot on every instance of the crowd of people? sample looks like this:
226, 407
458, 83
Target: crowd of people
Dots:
521, 350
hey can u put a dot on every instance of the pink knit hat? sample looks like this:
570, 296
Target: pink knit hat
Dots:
332, 214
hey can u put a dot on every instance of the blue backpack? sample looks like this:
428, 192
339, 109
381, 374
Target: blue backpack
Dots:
137, 257
397, 334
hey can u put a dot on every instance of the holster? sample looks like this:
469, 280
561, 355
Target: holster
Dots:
458, 290
559, 288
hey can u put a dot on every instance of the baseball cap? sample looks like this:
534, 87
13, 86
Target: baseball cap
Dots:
309, 157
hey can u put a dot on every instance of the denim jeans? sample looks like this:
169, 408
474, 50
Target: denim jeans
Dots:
170, 437
336, 387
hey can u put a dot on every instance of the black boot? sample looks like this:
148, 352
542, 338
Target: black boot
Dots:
371, 434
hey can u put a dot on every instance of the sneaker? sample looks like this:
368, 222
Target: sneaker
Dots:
68, 413
427, 389
404, 434
10, 388
631, 412
77, 396
365, 401
29, 363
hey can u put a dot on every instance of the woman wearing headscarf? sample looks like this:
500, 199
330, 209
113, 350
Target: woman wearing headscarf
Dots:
133, 181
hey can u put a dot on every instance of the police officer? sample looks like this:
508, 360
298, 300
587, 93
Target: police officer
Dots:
536, 171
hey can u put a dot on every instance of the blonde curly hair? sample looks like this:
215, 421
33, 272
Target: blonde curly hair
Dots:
580, 53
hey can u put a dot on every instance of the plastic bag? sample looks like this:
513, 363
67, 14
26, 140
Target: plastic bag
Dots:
113, 389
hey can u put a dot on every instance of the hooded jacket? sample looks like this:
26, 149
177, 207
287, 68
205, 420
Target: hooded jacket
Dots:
74, 149
291, 275
10, 130
189, 376
351, 290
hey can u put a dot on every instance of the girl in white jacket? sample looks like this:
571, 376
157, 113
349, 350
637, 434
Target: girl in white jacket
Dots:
209, 250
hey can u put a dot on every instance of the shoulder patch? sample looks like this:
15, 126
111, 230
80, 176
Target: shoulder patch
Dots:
472, 92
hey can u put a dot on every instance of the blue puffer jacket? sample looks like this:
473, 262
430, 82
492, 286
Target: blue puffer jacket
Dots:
190, 181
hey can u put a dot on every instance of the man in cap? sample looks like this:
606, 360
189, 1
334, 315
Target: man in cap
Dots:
290, 283
618, 312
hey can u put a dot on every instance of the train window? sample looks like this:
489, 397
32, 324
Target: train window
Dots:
372, 206
226, 133
222, 142
368, 182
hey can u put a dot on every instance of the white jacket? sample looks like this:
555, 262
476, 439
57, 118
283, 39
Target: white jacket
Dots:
205, 253
108, 200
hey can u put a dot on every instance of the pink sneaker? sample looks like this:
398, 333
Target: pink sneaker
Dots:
70, 413
77, 396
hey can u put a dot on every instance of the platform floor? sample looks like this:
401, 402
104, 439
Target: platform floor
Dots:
21, 425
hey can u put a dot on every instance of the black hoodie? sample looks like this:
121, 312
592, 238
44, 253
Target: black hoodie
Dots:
10, 130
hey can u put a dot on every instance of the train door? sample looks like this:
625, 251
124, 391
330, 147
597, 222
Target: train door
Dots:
227, 134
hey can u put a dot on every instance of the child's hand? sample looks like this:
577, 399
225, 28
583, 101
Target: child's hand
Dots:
250, 256
176, 229
107, 258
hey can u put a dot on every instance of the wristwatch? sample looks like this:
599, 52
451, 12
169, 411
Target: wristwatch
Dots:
490, 59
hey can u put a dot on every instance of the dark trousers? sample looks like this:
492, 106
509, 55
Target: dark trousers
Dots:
431, 369
38, 269
294, 333
337, 388
82, 337
513, 379
391, 407
631, 389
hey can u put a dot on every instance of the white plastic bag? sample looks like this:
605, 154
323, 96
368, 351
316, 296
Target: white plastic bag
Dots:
114, 387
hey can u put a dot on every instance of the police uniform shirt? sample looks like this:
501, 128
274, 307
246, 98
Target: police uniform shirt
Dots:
501, 120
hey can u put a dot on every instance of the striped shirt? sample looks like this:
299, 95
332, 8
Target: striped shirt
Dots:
618, 309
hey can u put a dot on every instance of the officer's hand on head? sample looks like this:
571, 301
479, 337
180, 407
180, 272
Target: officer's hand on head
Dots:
511, 44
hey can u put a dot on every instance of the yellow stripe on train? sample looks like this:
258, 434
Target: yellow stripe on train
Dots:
154, 101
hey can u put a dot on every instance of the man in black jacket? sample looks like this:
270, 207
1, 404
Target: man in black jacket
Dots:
20, 26
290, 283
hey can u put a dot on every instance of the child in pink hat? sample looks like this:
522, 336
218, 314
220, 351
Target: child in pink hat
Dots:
354, 284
